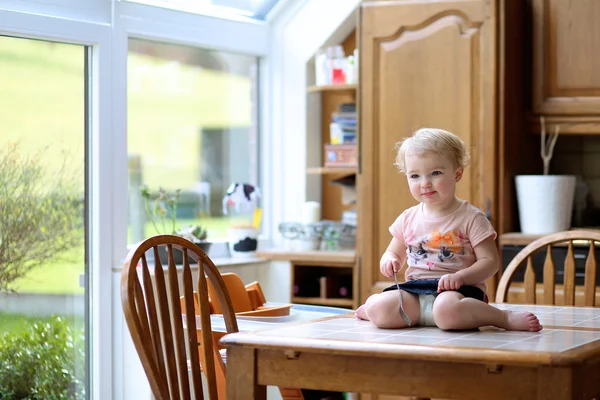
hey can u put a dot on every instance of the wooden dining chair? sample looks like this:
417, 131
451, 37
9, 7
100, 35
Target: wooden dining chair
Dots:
549, 292
150, 295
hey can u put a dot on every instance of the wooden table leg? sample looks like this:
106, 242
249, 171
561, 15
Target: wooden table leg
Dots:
241, 375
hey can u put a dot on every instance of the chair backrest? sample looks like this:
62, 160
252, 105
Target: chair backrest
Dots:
150, 295
549, 288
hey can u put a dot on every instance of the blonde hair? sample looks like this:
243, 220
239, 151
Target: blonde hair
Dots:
434, 140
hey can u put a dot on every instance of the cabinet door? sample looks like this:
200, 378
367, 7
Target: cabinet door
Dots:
566, 57
423, 64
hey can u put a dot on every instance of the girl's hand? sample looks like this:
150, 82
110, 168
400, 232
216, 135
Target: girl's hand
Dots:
389, 264
450, 282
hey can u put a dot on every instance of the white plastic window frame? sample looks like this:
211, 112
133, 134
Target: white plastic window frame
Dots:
106, 27
99, 245
170, 26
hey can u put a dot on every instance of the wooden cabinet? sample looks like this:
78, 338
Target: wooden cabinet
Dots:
425, 63
566, 61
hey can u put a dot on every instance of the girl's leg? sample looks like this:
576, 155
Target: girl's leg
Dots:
383, 309
451, 310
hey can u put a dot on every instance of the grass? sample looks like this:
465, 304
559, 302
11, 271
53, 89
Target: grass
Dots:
13, 323
61, 276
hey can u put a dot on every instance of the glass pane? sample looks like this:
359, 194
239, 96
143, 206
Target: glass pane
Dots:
42, 224
256, 9
191, 127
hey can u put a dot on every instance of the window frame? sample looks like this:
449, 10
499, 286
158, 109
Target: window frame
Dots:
99, 245
106, 27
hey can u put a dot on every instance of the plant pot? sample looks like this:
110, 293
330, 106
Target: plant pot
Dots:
163, 253
545, 202
242, 241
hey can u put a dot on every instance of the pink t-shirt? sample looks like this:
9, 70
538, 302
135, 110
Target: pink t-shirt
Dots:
438, 246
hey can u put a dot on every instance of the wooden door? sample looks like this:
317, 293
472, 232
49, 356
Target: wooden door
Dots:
422, 64
566, 57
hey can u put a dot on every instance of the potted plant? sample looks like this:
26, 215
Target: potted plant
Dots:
161, 210
545, 201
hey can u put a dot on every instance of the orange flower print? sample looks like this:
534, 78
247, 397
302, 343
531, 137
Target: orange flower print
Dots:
450, 240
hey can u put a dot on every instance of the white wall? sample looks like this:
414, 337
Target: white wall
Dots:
296, 36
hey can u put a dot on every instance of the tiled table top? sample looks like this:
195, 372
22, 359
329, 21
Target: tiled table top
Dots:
565, 328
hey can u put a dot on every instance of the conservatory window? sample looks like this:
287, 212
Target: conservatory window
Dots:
192, 127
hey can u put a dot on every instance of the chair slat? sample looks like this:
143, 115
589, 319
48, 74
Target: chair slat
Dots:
590, 277
207, 337
164, 321
549, 277
192, 338
569, 282
155, 335
529, 283
178, 338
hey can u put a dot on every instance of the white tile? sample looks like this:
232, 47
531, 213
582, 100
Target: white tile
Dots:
504, 336
539, 347
402, 339
300, 331
324, 326
486, 344
594, 323
346, 335
438, 333
577, 311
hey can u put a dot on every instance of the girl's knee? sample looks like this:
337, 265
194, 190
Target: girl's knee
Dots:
377, 311
446, 312
381, 311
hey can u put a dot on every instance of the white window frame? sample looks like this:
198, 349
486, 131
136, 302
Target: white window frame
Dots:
106, 27
97, 36
152, 23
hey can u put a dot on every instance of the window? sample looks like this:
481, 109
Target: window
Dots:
192, 126
256, 9
42, 224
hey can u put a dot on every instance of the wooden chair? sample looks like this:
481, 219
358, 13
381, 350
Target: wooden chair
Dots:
551, 292
246, 300
151, 303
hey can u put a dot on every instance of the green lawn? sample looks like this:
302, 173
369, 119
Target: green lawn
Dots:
62, 276
15, 323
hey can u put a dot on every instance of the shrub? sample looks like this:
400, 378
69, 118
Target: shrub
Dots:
45, 361
41, 213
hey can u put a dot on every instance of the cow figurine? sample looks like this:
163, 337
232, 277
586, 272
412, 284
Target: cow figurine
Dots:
240, 196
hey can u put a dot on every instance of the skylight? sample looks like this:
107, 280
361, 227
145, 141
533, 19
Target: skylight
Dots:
255, 9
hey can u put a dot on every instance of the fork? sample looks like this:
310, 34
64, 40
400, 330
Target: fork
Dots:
403, 313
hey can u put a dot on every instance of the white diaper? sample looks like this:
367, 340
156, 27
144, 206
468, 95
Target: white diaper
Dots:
426, 309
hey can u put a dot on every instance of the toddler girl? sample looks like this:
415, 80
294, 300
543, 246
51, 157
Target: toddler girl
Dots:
447, 243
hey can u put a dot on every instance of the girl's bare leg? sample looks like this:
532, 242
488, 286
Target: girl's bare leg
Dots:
451, 310
383, 309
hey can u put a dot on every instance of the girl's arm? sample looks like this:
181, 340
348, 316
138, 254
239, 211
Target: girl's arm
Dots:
393, 259
486, 266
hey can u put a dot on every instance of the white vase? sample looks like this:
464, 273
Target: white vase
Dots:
243, 241
545, 202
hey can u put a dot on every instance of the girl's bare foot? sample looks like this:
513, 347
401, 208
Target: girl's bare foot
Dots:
522, 321
360, 313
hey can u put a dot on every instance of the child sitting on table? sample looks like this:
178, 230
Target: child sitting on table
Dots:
448, 245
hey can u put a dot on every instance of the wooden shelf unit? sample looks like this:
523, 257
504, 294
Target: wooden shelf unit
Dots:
330, 88
323, 301
332, 170
315, 257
